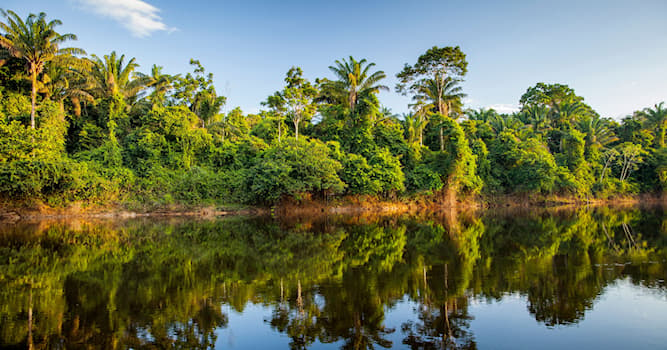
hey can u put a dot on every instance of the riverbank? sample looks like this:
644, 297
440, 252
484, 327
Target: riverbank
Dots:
37, 210
356, 205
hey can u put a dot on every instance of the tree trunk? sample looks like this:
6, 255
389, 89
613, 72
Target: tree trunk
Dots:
352, 99
296, 128
279, 129
442, 140
33, 94
77, 106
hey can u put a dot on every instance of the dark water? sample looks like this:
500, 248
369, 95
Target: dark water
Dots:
582, 279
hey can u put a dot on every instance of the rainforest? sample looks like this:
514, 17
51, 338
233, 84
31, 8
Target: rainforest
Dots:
88, 129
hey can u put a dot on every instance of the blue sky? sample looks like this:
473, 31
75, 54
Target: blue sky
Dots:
613, 53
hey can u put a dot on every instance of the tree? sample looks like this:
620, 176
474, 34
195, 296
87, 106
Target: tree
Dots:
562, 104
656, 119
159, 82
354, 81
442, 98
196, 91
435, 72
549, 95
35, 41
598, 134
276, 103
537, 117
630, 156
112, 76
414, 124
66, 78
298, 95
482, 114
293, 168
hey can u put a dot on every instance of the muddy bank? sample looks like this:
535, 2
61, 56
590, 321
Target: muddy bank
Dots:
354, 205
14, 212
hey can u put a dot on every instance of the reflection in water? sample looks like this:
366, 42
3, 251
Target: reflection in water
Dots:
162, 284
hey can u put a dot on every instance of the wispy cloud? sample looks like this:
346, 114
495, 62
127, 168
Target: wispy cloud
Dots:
504, 108
139, 17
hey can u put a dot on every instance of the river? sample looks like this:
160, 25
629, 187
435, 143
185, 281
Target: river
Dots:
548, 279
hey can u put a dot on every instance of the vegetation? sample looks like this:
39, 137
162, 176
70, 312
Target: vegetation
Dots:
96, 129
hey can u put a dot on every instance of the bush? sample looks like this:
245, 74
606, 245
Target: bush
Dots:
292, 168
423, 179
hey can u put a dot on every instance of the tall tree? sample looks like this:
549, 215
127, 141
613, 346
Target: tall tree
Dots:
435, 70
414, 124
160, 83
276, 104
298, 95
35, 41
112, 76
355, 80
66, 77
443, 99
197, 92
598, 134
536, 117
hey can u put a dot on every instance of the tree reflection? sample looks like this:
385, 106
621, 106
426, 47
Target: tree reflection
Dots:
141, 284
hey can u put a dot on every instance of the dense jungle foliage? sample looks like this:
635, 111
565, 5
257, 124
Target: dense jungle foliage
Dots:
75, 127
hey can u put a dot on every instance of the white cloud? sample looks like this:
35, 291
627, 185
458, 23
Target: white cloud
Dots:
504, 108
139, 17
468, 101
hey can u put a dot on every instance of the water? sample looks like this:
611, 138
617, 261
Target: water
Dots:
587, 278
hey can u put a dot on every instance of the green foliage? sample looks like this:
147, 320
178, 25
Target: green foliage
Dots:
388, 173
293, 168
436, 62
422, 178
95, 127
357, 175
457, 165
522, 166
660, 164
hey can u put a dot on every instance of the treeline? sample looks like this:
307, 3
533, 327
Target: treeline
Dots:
76, 127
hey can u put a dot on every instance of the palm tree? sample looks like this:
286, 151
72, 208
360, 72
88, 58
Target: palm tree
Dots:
503, 122
65, 78
355, 80
161, 83
36, 42
384, 115
207, 105
111, 76
536, 116
599, 133
656, 118
414, 124
570, 112
444, 96
482, 114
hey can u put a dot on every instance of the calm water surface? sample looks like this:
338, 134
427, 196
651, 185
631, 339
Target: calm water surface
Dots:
586, 278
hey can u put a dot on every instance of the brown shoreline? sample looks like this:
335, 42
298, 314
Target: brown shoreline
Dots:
35, 210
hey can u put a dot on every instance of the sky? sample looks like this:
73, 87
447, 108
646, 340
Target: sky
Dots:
613, 53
